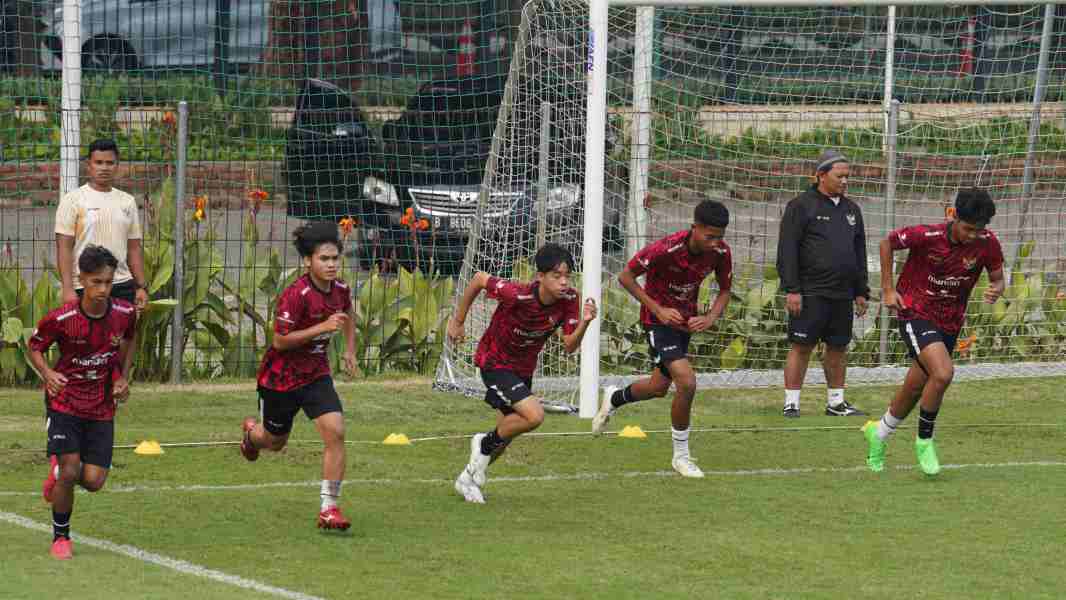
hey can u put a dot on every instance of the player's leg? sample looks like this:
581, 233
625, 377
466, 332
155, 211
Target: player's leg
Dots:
837, 336
98, 443
684, 379
804, 331
936, 358
64, 450
271, 432
322, 404
504, 390
878, 432
654, 386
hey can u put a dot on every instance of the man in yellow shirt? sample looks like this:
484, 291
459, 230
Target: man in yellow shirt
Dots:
99, 214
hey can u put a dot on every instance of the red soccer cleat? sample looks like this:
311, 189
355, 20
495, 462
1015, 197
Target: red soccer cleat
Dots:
62, 548
248, 450
50, 481
331, 518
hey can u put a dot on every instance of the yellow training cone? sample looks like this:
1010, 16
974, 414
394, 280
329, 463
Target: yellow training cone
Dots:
397, 439
633, 431
148, 448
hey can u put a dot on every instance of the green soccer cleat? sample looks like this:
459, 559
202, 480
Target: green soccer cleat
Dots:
927, 459
875, 456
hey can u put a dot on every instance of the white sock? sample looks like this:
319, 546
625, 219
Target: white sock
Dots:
792, 398
835, 397
331, 491
887, 426
680, 441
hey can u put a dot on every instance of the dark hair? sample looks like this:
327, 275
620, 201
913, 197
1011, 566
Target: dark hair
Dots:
711, 213
103, 145
551, 256
94, 258
974, 206
312, 235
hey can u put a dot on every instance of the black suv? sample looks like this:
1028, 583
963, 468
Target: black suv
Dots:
428, 163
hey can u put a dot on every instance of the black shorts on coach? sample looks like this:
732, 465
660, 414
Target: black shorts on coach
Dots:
505, 389
278, 409
93, 440
666, 345
822, 319
919, 333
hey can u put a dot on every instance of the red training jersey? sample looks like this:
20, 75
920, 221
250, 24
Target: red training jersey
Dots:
88, 356
939, 274
673, 274
520, 326
302, 306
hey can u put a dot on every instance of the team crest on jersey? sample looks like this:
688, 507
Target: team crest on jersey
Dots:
116, 340
969, 263
851, 219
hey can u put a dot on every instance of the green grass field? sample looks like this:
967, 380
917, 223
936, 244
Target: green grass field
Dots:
787, 509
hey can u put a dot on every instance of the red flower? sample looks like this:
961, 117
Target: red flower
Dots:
347, 224
257, 198
201, 208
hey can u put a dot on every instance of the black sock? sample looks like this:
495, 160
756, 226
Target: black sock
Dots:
622, 396
491, 442
60, 525
926, 422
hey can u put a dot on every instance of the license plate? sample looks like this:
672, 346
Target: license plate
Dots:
453, 223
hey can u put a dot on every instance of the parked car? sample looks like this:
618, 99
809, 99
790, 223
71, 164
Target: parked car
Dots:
431, 160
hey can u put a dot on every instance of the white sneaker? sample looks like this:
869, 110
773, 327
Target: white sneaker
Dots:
478, 461
686, 466
605, 412
464, 484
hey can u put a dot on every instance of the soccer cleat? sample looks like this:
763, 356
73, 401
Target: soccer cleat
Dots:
478, 461
50, 481
927, 458
331, 518
248, 450
843, 410
686, 466
791, 411
465, 486
62, 548
606, 409
875, 455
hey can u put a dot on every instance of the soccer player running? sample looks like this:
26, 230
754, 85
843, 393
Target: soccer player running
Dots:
674, 268
95, 334
944, 263
295, 372
526, 316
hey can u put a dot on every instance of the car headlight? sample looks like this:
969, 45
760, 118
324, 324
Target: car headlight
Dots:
382, 192
563, 196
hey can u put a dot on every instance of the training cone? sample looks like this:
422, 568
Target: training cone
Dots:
148, 448
633, 431
397, 439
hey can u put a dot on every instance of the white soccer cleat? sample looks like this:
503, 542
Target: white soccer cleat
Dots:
478, 461
465, 486
686, 466
606, 409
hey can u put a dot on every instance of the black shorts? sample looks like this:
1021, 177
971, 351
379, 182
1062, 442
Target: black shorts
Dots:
919, 333
277, 409
666, 345
123, 291
93, 440
822, 319
505, 389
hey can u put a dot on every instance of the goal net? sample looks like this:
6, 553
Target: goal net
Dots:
734, 104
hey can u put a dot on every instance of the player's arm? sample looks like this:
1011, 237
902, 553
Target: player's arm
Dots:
996, 285
65, 264
135, 260
668, 316
572, 340
477, 284
723, 274
350, 361
793, 226
121, 380
302, 337
889, 297
42, 339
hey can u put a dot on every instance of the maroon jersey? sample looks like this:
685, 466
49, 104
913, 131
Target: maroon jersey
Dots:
939, 274
302, 306
673, 275
88, 356
521, 325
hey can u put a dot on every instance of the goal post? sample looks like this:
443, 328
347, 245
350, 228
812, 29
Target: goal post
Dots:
657, 104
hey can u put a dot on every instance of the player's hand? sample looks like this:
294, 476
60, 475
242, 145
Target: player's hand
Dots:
335, 322
992, 293
69, 295
794, 304
701, 323
121, 390
54, 382
456, 331
860, 305
891, 299
670, 316
140, 300
590, 311
352, 365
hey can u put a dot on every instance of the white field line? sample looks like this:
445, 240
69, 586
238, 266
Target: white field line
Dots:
587, 476
180, 566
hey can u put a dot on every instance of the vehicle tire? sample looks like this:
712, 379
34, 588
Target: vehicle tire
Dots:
108, 55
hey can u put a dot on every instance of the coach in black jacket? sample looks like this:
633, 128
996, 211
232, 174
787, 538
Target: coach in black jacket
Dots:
821, 259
